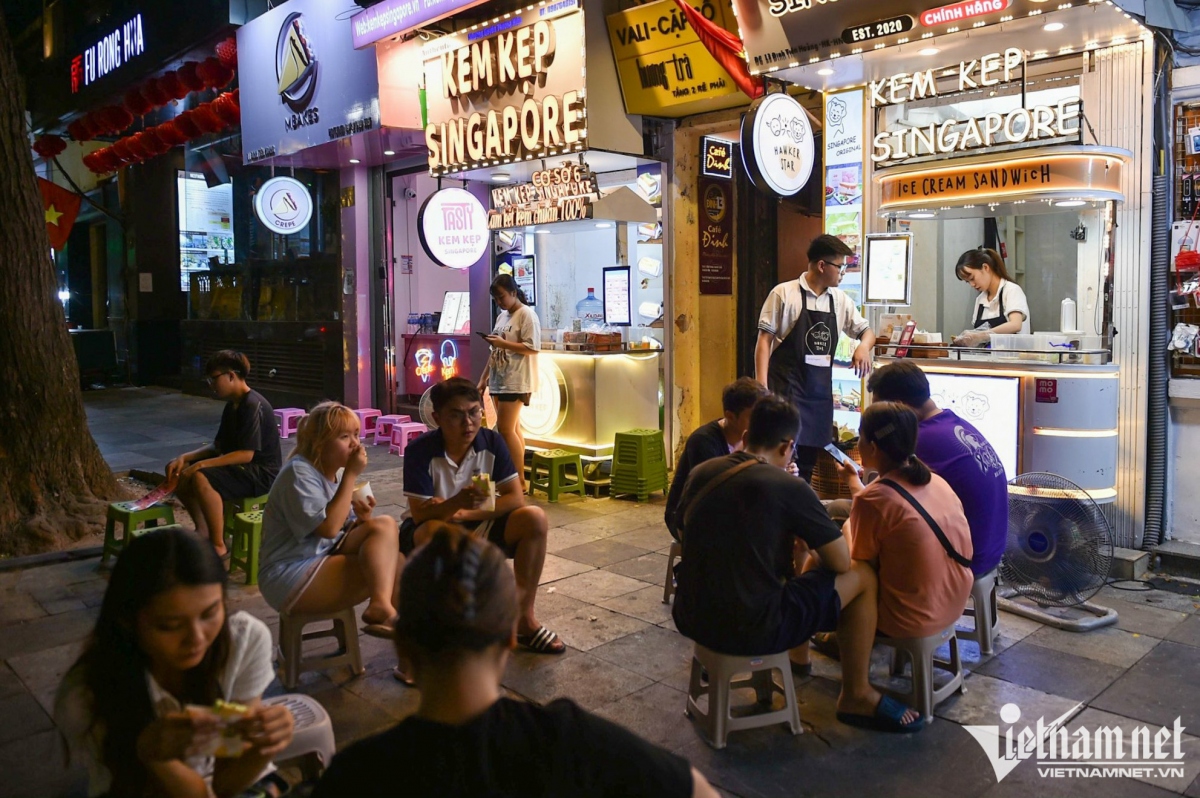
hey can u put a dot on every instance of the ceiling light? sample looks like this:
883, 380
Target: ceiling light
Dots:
355, 160
1070, 203
604, 225
921, 215
501, 177
929, 51
825, 71
389, 152
1051, 27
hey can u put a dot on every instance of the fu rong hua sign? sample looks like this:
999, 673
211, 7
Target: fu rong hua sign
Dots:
509, 91
562, 194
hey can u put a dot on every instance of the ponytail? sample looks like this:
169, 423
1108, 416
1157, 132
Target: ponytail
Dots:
893, 428
915, 472
506, 283
977, 259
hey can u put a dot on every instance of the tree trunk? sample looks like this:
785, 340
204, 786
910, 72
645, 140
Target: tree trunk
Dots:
53, 482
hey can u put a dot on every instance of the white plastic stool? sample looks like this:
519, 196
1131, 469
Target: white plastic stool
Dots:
985, 611
919, 651
292, 638
722, 668
312, 734
669, 580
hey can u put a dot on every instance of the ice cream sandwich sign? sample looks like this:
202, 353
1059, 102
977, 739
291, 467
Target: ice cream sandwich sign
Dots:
777, 145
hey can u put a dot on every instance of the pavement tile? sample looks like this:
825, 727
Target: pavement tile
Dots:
10, 683
600, 553
121, 460
607, 526
597, 586
654, 537
48, 632
1159, 688
1092, 719
1110, 645
1187, 632
525, 667
645, 604
42, 671
23, 716
653, 652
16, 607
654, 713
980, 705
589, 627
1161, 599
33, 768
560, 538
551, 604
383, 690
1147, 619
1052, 671
650, 567
588, 681
556, 568
353, 716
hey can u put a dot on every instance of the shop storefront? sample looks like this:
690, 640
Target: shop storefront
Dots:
530, 167
1020, 126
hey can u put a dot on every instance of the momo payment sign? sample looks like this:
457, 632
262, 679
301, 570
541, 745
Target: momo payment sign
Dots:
453, 227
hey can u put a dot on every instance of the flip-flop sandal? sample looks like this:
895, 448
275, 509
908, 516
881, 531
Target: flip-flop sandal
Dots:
403, 677
543, 641
887, 718
827, 644
383, 630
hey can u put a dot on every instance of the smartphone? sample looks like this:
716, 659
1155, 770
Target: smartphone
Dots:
482, 335
840, 456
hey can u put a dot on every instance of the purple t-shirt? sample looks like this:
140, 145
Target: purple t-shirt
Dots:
959, 454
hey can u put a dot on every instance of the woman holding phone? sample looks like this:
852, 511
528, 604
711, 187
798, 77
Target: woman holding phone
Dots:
508, 375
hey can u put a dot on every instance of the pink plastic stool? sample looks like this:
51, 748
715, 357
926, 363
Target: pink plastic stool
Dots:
288, 420
367, 418
383, 428
402, 434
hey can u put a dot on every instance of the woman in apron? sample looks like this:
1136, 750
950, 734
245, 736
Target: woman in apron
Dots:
1001, 306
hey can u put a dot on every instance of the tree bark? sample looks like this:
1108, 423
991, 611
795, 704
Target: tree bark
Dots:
54, 484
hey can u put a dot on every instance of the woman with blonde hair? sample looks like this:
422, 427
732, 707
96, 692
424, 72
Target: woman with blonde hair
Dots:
1001, 306
323, 551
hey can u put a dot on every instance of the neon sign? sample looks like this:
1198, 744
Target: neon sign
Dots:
449, 357
424, 364
109, 54
445, 363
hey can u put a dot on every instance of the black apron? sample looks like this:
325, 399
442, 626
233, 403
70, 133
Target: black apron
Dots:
995, 322
801, 370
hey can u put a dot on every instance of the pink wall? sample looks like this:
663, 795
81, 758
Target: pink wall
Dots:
357, 344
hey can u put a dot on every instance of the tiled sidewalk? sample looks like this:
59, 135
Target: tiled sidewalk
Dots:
601, 592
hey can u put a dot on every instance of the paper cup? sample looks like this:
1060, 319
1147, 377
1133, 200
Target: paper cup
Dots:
362, 492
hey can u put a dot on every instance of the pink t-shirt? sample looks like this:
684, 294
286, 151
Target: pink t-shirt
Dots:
921, 590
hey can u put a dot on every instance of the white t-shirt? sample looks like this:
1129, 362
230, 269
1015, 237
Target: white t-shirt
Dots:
1014, 300
248, 671
781, 311
512, 372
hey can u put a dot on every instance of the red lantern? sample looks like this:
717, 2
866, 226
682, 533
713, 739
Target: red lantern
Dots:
170, 134
173, 86
115, 118
189, 77
48, 146
137, 149
121, 149
214, 74
137, 104
227, 53
186, 123
153, 91
78, 130
206, 119
152, 143
227, 109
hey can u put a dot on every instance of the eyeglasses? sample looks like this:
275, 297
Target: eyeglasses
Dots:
791, 442
841, 267
213, 380
461, 416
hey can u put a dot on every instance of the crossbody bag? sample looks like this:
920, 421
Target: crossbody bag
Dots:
720, 479
937, 530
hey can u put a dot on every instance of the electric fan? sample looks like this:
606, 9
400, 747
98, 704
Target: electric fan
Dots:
1058, 553
425, 409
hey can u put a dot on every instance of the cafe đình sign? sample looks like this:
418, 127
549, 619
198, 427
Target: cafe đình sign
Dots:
561, 194
509, 90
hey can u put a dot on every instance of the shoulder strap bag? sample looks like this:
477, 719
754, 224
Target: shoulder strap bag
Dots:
937, 530
703, 493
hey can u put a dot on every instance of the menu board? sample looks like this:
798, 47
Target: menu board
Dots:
205, 224
844, 153
990, 405
887, 269
616, 296
456, 314
524, 274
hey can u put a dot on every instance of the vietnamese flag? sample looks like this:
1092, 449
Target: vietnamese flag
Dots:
726, 48
61, 207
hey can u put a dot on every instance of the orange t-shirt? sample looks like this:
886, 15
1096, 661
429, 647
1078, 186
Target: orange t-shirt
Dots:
921, 590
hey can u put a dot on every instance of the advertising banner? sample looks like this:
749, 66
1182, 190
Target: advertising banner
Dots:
716, 236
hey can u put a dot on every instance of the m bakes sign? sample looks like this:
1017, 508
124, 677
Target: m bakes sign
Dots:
511, 90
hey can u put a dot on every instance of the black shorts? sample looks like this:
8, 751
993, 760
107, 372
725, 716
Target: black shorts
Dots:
523, 398
811, 604
239, 481
494, 533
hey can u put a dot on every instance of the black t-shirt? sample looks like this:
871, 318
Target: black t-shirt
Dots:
702, 445
737, 552
251, 426
513, 749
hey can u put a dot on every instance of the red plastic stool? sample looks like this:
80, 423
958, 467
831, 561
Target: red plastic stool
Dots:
367, 421
402, 434
288, 420
383, 427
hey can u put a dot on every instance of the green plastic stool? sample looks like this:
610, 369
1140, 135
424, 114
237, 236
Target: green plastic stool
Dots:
234, 506
130, 521
246, 530
555, 462
639, 463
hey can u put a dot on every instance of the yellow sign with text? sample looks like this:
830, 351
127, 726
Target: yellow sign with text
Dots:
663, 67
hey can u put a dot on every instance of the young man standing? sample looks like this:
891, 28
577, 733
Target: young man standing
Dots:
958, 453
439, 468
797, 335
737, 594
715, 439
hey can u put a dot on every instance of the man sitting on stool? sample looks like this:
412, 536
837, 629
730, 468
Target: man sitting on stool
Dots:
715, 439
737, 593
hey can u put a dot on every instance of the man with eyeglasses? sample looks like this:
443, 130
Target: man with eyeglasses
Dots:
439, 472
797, 334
